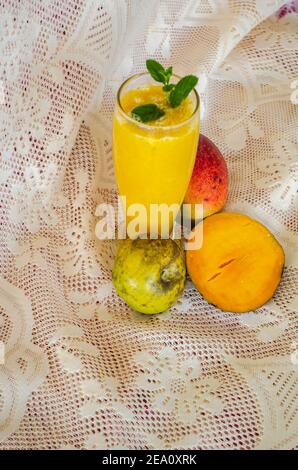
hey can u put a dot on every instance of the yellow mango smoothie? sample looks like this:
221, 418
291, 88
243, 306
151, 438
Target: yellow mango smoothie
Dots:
153, 160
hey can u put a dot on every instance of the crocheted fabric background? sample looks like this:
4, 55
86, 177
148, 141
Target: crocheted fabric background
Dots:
81, 370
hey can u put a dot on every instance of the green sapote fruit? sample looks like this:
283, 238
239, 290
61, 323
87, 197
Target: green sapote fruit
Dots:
149, 275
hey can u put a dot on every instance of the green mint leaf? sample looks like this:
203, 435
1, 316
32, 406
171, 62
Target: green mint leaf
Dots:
147, 112
157, 71
182, 89
168, 87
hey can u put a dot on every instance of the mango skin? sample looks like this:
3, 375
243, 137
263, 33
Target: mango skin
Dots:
239, 266
149, 275
209, 180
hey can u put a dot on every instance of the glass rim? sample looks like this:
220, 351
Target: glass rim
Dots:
150, 126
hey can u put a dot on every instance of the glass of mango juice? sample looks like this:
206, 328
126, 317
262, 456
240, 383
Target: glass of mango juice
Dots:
153, 160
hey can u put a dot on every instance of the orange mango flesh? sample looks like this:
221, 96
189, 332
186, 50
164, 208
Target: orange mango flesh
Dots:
239, 266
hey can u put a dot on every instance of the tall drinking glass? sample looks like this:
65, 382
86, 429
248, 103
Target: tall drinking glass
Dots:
154, 160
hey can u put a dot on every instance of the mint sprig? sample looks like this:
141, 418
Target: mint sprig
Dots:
158, 72
147, 113
177, 92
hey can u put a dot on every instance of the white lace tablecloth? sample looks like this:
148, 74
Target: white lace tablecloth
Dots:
79, 369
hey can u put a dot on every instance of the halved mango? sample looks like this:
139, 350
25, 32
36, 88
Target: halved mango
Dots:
239, 266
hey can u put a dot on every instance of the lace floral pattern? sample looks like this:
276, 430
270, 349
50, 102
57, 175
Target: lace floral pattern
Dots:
34, 198
182, 390
29, 252
25, 125
277, 35
18, 36
103, 395
281, 175
25, 366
